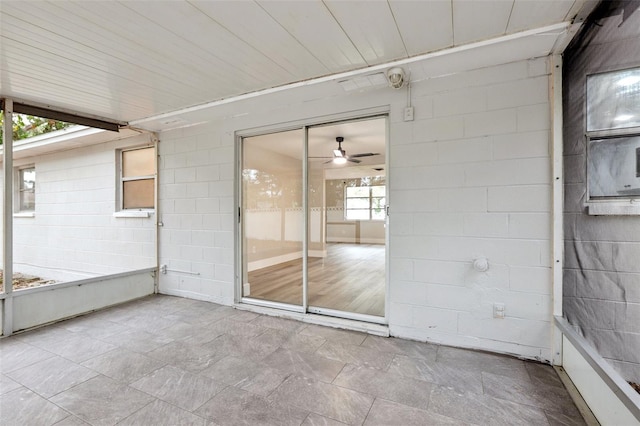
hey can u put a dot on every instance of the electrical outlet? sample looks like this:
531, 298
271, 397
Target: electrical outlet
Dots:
498, 310
408, 113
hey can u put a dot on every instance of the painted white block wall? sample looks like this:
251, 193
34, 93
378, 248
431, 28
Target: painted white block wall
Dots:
469, 177
196, 207
49, 304
73, 234
483, 190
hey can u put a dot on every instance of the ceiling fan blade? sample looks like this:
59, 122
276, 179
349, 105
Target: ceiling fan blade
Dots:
354, 161
364, 154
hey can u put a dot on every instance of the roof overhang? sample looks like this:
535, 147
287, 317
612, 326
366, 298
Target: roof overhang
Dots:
144, 62
530, 44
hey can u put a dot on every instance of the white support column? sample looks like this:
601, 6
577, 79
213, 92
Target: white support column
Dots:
558, 200
156, 190
7, 215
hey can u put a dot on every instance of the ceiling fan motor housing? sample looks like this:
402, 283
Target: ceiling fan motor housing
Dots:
341, 153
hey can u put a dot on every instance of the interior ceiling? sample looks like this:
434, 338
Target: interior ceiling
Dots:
360, 136
135, 61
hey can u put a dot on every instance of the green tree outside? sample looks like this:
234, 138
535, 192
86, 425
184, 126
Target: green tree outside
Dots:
27, 126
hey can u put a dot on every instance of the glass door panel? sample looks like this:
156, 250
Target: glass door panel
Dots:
347, 219
272, 225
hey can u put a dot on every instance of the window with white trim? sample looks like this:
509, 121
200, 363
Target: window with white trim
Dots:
26, 189
137, 178
613, 137
365, 202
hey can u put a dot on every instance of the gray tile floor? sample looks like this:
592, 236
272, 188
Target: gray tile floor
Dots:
172, 361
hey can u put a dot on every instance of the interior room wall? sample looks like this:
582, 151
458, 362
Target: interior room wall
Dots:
469, 177
317, 213
73, 233
340, 230
273, 226
602, 253
273, 223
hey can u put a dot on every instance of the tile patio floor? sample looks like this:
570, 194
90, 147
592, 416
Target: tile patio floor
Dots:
171, 361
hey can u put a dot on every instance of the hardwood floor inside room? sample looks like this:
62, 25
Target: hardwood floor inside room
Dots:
351, 278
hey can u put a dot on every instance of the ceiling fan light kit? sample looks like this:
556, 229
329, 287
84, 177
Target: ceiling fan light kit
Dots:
340, 155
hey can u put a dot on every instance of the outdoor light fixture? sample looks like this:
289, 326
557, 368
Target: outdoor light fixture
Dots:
396, 77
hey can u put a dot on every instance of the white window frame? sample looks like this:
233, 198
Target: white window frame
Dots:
19, 211
122, 211
370, 198
615, 204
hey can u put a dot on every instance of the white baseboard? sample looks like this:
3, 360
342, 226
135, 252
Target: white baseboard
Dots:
276, 260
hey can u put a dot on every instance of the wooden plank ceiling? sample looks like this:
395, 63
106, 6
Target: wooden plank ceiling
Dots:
130, 60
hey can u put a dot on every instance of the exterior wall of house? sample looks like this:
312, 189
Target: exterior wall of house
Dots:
470, 177
602, 253
73, 233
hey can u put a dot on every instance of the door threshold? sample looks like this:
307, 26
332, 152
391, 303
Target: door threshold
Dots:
316, 319
347, 315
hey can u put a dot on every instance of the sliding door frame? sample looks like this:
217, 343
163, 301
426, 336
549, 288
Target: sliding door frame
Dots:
305, 125
238, 223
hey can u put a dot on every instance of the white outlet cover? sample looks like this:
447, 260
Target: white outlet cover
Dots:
408, 114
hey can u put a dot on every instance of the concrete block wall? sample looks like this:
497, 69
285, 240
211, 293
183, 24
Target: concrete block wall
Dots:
196, 207
470, 177
602, 253
73, 234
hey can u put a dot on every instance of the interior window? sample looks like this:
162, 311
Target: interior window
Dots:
365, 202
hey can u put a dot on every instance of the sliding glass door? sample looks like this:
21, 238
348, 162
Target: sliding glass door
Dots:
313, 225
347, 219
272, 225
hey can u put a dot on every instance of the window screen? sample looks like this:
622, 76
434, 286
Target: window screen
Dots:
613, 167
613, 99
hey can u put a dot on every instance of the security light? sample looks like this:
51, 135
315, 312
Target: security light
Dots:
396, 77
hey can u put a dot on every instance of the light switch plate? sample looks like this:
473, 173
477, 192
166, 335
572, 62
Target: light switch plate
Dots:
408, 114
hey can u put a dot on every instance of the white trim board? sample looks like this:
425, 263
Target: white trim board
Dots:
276, 260
608, 395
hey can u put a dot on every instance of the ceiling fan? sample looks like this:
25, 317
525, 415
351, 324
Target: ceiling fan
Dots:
340, 155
